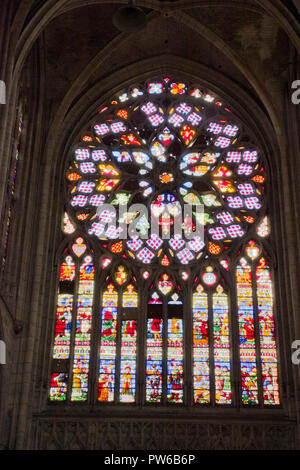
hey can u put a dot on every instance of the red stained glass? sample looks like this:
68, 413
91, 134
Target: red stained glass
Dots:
117, 247
130, 139
187, 134
258, 179
82, 216
87, 138
73, 176
214, 249
122, 113
165, 261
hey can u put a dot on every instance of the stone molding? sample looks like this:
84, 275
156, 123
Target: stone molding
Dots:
57, 434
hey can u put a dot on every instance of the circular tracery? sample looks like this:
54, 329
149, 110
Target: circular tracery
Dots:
166, 145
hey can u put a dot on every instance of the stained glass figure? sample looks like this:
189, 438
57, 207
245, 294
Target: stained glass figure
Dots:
154, 360
111, 346
128, 356
128, 361
175, 360
58, 387
108, 344
64, 310
83, 330
247, 335
64, 313
201, 367
267, 334
222, 359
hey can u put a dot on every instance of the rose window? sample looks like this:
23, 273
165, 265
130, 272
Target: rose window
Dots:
166, 146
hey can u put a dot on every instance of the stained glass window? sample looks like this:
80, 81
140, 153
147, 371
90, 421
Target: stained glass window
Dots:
211, 342
71, 351
166, 279
267, 334
64, 314
82, 340
154, 358
165, 326
247, 336
222, 355
118, 343
108, 345
257, 331
201, 367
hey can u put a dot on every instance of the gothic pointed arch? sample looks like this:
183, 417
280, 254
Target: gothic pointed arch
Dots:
172, 189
